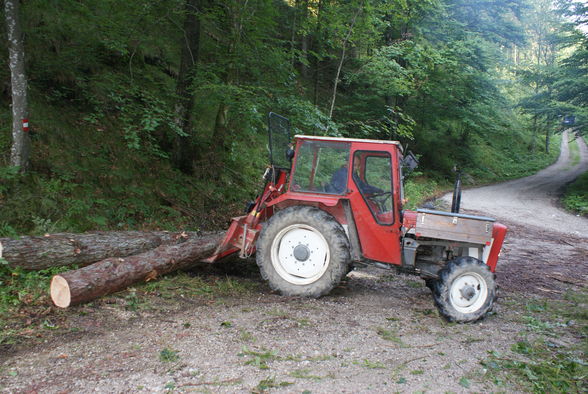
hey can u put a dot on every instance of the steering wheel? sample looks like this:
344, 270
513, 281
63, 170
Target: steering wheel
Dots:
380, 198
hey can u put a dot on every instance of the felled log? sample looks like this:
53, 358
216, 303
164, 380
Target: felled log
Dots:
55, 250
114, 274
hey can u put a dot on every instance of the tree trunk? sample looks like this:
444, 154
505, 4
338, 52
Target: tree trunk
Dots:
230, 78
336, 82
221, 127
534, 133
21, 141
302, 11
317, 49
36, 253
185, 97
114, 274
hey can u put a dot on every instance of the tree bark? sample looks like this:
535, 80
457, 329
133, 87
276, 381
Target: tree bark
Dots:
317, 48
340, 66
221, 127
114, 274
298, 35
35, 253
185, 96
21, 141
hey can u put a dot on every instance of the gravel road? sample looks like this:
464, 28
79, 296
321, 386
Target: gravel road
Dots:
533, 201
377, 332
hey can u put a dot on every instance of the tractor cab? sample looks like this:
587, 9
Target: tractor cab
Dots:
356, 181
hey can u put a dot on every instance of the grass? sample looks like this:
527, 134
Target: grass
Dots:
389, 335
500, 159
540, 362
575, 198
270, 383
259, 359
24, 293
168, 355
418, 189
187, 285
574, 153
370, 364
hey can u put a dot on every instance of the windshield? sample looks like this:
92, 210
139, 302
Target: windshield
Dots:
321, 167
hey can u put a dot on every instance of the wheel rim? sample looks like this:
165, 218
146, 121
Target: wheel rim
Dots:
468, 292
300, 254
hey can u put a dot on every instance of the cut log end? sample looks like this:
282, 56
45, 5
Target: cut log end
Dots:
60, 293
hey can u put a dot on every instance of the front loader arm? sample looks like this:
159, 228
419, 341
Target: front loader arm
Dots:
244, 230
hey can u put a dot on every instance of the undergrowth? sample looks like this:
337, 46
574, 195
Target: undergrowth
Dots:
501, 158
19, 291
539, 362
576, 196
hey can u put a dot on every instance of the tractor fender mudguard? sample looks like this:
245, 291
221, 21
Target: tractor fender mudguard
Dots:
498, 234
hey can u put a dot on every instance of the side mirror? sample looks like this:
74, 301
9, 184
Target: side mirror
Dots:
410, 162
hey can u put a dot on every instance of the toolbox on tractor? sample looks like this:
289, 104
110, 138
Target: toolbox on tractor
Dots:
329, 204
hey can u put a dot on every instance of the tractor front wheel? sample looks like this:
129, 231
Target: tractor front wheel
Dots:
465, 291
303, 251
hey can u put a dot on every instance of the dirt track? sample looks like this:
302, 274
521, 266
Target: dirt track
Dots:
532, 201
379, 332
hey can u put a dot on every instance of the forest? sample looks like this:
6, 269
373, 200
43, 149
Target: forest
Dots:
132, 131
153, 114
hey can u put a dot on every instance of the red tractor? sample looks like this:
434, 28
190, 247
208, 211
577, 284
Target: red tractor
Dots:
331, 203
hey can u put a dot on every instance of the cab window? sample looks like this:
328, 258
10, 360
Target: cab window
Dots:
372, 174
321, 167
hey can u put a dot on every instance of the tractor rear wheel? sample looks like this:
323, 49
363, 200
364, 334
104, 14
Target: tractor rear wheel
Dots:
465, 291
303, 251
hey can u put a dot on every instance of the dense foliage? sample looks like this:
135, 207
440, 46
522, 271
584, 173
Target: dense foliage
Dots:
150, 114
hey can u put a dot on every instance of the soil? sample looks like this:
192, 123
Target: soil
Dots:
377, 332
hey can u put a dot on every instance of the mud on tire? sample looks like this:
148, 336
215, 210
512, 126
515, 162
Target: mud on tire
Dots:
303, 251
465, 291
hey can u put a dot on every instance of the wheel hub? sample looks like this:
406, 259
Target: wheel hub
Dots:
301, 252
468, 292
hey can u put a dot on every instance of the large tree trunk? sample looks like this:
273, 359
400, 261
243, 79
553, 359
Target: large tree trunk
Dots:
35, 253
21, 141
185, 101
114, 274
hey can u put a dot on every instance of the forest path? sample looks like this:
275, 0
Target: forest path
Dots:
534, 200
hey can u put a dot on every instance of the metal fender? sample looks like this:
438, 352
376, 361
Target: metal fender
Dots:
498, 234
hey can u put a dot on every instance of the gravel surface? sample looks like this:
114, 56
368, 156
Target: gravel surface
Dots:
377, 332
533, 201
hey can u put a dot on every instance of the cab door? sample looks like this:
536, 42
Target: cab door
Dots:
374, 202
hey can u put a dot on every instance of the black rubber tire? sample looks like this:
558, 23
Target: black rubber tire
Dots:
452, 271
339, 262
430, 283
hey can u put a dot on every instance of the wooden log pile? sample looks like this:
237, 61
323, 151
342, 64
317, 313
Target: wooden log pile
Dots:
111, 261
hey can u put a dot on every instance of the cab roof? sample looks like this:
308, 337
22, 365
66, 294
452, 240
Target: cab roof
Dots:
340, 139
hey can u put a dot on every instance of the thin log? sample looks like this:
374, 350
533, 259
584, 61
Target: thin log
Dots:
55, 250
114, 274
